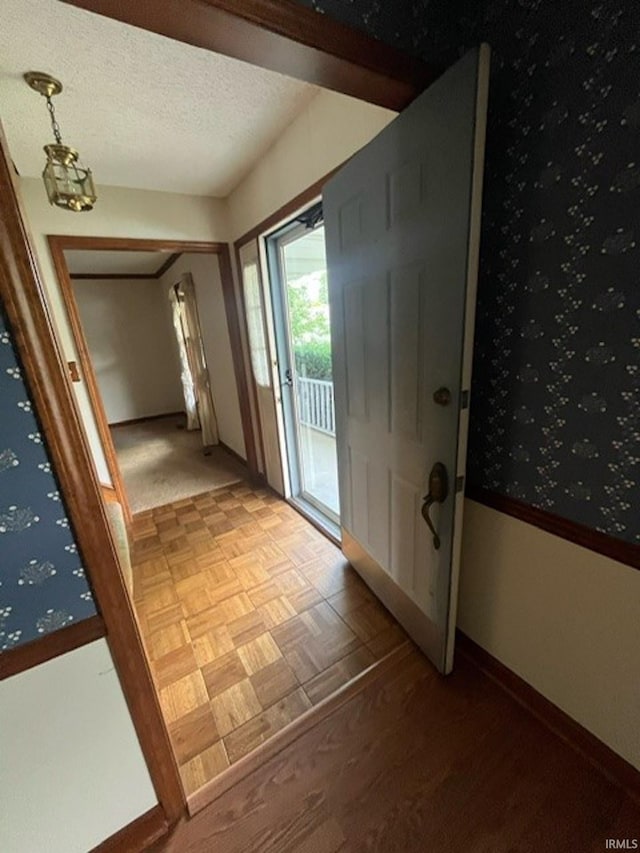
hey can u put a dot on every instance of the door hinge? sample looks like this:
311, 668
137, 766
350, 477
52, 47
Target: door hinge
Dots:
459, 484
464, 400
74, 373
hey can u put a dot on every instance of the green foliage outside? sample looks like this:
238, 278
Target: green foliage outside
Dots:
310, 332
313, 360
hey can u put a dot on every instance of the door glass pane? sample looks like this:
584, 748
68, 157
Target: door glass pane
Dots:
255, 323
304, 273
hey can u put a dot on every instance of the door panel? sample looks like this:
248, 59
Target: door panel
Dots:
269, 459
402, 223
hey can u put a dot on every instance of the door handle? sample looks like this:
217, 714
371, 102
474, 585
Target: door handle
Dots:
288, 378
442, 396
438, 491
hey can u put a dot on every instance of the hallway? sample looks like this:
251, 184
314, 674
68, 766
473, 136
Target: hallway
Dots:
250, 617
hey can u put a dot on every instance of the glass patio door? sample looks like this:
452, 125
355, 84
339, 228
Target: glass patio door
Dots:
298, 272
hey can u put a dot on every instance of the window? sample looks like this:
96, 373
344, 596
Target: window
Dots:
255, 324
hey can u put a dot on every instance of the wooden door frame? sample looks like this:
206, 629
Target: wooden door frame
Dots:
275, 34
58, 244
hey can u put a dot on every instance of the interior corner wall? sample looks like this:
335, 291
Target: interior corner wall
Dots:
330, 129
205, 269
119, 212
129, 332
563, 618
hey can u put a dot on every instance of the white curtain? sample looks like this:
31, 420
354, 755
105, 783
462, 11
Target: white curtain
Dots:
195, 375
188, 390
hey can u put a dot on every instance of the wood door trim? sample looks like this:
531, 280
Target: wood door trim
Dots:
136, 244
612, 765
296, 729
282, 36
109, 494
86, 369
579, 534
58, 243
137, 835
23, 296
42, 649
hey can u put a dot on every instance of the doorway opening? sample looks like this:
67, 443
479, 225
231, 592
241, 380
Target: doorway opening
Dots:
153, 439
300, 297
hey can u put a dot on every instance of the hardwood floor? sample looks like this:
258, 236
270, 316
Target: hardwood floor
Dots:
250, 616
414, 763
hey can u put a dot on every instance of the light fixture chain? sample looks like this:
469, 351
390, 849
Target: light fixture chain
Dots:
54, 124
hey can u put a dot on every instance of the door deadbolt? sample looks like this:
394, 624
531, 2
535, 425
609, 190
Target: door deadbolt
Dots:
442, 396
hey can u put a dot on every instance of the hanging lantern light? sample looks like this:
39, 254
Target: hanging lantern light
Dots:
69, 185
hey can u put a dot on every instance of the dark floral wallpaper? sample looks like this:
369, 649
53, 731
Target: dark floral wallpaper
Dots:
42, 582
557, 371
556, 394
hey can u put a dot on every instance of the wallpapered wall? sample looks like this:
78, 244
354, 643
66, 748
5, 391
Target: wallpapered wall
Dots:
555, 400
42, 582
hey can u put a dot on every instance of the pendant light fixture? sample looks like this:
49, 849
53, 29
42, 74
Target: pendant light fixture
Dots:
69, 185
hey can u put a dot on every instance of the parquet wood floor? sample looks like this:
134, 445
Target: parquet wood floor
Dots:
250, 616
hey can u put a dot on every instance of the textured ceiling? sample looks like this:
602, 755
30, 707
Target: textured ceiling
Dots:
144, 111
95, 262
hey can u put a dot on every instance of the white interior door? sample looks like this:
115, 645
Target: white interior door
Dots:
402, 222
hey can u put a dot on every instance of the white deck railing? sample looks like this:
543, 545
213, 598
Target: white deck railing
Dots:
317, 406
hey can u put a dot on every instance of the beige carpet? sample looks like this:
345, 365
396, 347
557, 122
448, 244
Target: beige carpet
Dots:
161, 463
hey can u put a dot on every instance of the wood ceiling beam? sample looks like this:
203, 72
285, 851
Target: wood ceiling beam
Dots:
282, 36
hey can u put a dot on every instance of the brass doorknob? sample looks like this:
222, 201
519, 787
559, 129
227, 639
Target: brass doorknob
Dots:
438, 491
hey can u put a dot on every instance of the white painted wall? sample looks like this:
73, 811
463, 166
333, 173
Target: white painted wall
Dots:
129, 332
119, 212
205, 270
71, 769
563, 618
330, 129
